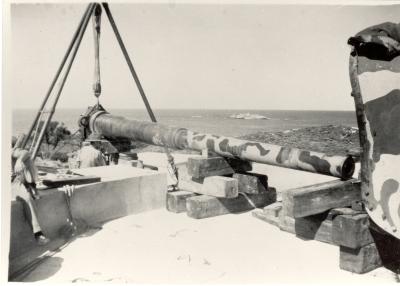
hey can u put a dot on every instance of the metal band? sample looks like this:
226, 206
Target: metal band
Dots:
93, 119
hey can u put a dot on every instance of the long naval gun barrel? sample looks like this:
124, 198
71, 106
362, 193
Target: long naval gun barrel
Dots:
182, 138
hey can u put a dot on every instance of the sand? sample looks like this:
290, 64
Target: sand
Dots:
163, 247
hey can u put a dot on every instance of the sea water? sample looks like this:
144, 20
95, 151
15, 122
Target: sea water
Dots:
209, 121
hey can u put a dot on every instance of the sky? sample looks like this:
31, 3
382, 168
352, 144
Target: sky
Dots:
196, 56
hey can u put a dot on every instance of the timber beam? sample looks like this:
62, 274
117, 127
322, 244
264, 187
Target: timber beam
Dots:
318, 198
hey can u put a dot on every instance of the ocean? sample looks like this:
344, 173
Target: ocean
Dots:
209, 121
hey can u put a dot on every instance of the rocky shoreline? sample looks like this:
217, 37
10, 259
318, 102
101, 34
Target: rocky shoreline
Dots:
330, 139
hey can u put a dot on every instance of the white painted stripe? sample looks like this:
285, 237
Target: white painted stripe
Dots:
378, 84
368, 65
386, 169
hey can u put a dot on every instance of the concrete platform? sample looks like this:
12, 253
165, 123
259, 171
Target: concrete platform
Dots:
163, 247
124, 190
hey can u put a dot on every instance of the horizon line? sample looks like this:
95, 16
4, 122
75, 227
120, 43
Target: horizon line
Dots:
122, 108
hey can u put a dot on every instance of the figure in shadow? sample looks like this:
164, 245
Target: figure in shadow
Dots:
23, 188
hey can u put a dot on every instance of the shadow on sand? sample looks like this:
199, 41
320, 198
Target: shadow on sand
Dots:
34, 259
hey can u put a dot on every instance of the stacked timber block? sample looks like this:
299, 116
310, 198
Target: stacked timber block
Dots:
219, 186
331, 212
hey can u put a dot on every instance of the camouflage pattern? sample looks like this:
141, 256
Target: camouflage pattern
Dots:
338, 166
379, 42
181, 138
376, 92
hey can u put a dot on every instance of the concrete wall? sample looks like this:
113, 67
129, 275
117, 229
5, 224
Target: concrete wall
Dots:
109, 200
124, 190
21, 237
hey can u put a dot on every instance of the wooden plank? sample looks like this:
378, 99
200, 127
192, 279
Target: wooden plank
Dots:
352, 230
318, 198
206, 206
270, 214
191, 185
251, 183
76, 180
274, 210
221, 187
383, 251
176, 201
360, 260
317, 227
47, 169
216, 186
200, 167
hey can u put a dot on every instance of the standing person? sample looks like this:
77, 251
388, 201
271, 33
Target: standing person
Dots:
23, 188
90, 154
110, 152
114, 158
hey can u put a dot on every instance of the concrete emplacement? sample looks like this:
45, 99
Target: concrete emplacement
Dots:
156, 246
123, 190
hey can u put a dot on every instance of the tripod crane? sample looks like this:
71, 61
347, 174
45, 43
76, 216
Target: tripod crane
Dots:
93, 10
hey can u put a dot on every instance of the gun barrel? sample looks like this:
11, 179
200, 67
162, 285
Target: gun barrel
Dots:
182, 138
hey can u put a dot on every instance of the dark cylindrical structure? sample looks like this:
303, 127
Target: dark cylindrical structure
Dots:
182, 138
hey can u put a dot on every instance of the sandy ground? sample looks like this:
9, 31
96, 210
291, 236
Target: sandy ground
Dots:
163, 247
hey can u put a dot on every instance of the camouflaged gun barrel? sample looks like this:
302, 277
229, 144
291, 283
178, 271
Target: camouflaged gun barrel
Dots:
182, 138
